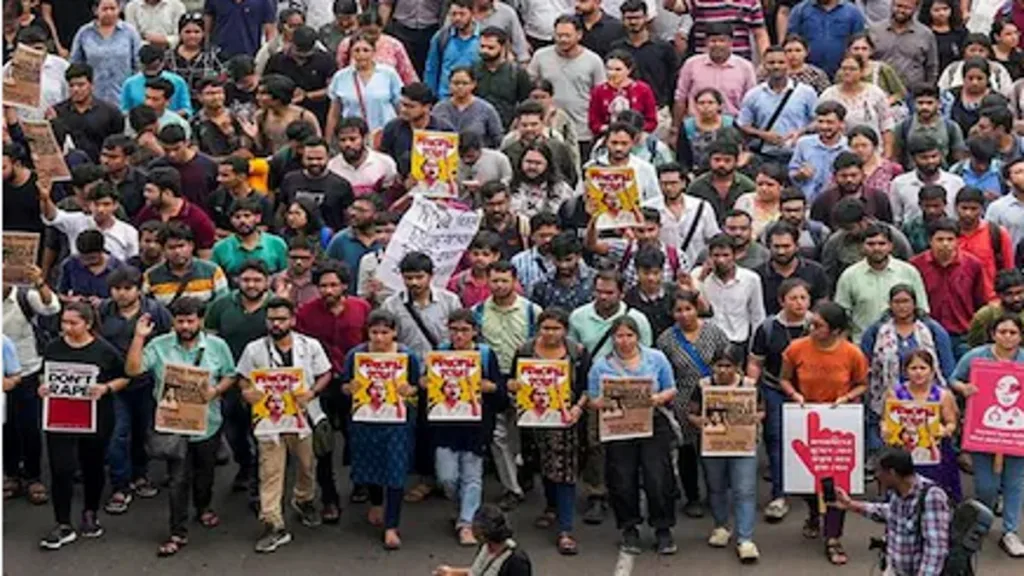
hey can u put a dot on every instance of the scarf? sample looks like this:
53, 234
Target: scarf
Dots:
886, 362
486, 565
691, 351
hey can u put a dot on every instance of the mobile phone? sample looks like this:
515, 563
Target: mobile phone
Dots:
828, 490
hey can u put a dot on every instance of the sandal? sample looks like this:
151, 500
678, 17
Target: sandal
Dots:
375, 516
209, 519
418, 493
392, 541
812, 529
466, 537
331, 514
567, 545
11, 487
545, 520
143, 488
118, 503
835, 553
37, 494
172, 546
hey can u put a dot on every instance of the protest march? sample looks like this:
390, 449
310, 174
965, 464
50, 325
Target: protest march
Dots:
650, 265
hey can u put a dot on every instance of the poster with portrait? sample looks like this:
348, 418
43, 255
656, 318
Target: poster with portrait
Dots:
628, 411
435, 163
614, 195
376, 379
545, 395
821, 441
47, 156
453, 386
730, 421
915, 427
994, 420
182, 408
21, 250
23, 83
68, 405
278, 411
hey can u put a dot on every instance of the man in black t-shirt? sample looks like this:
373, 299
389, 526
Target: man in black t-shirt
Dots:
21, 196
233, 177
310, 67
328, 190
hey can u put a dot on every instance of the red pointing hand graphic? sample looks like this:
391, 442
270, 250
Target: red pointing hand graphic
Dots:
827, 453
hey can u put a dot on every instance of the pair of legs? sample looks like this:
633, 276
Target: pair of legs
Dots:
649, 459
22, 437
273, 463
193, 476
460, 474
88, 451
735, 476
126, 454
831, 528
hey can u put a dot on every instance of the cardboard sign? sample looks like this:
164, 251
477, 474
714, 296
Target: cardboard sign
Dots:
47, 155
182, 409
730, 421
453, 387
994, 420
278, 412
544, 396
614, 195
21, 249
376, 379
434, 164
820, 441
628, 412
69, 407
23, 85
914, 427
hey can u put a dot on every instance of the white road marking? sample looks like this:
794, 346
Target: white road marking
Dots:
624, 565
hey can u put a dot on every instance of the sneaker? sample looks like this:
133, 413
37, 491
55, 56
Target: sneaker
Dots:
1011, 544
61, 534
143, 488
597, 510
719, 537
119, 502
90, 527
748, 553
308, 514
693, 509
776, 510
630, 542
509, 501
664, 543
272, 539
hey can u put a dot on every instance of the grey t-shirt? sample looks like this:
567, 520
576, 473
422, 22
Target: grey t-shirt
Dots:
573, 79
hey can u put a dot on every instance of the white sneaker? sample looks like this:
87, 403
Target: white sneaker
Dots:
776, 510
747, 551
1012, 545
720, 537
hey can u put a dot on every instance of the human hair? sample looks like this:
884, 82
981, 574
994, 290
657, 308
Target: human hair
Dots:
314, 142
1003, 318
713, 29
633, 6
501, 267
774, 49
142, 117
30, 36
846, 159
384, 218
611, 275
831, 107
152, 227
419, 92
383, 318
467, 70
692, 297
616, 127
150, 53
171, 134
776, 172
191, 18
84, 310
876, 229
713, 92
671, 168
737, 213
864, 131
78, 70
903, 288
176, 231
278, 87
982, 149
925, 90
314, 221
240, 66
353, 123
277, 303
299, 131
166, 179
1008, 279
976, 38
566, 244
790, 284
729, 353
462, 315
976, 63
254, 265
470, 140
999, 116
304, 39
649, 258
795, 38
833, 314
922, 354
782, 228
956, 18
115, 141
497, 33
338, 268
529, 108
161, 84
897, 461
486, 240
209, 82
555, 313
544, 85
848, 211
104, 191
17, 152
124, 277
721, 240
86, 174
622, 56
492, 525
238, 165
186, 306
416, 262
626, 321
970, 194
543, 219
569, 19
792, 194
998, 26
90, 242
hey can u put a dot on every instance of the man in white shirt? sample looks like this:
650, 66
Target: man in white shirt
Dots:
156, 20
121, 240
619, 144
903, 192
734, 293
367, 171
687, 222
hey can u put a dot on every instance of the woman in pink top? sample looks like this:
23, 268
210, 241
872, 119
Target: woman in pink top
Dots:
620, 92
388, 49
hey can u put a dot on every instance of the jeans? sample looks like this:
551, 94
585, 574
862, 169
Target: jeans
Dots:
873, 432
195, 473
23, 439
987, 486
87, 451
461, 475
273, 463
391, 499
773, 401
133, 417
740, 475
504, 447
626, 462
561, 497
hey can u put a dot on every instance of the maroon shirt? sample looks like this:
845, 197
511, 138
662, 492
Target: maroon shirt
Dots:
190, 215
955, 291
338, 334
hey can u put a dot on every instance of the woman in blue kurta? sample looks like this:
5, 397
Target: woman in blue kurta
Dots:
111, 46
364, 88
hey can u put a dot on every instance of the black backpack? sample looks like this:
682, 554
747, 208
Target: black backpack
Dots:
46, 329
969, 523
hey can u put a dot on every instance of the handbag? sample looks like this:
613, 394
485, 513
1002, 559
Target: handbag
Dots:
163, 446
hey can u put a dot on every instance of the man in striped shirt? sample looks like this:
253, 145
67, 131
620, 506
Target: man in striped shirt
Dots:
181, 273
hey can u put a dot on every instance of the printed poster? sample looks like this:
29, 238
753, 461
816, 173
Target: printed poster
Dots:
545, 395
182, 409
914, 427
278, 412
730, 421
23, 85
820, 441
435, 163
47, 155
994, 420
614, 195
69, 407
627, 412
453, 387
376, 380
21, 250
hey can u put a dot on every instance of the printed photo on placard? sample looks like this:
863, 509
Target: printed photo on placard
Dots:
914, 427
613, 195
453, 387
182, 409
278, 412
435, 163
994, 419
730, 421
377, 378
628, 412
544, 396
821, 441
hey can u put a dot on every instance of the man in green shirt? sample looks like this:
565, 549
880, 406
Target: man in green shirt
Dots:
1010, 288
248, 241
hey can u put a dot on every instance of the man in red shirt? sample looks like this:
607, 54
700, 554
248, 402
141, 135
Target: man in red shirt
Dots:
988, 242
164, 202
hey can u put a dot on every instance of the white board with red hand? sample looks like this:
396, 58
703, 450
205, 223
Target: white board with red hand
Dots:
819, 441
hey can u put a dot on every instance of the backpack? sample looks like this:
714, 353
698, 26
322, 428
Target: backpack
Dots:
969, 523
905, 136
531, 328
46, 329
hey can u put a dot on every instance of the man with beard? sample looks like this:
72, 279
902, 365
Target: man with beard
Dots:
21, 193
456, 44
863, 288
845, 246
249, 242
734, 293
617, 154
218, 132
848, 170
186, 345
777, 111
723, 184
927, 120
932, 201
233, 177
315, 182
181, 274
600, 29
740, 226
656, 61
133, 407
572, 284
903, 191
413, 114
369, 284
129, 180
151, 251
198, 172
729, 73
785, 264
513, 229
535, 263
1008, 211
530, 128
987, 241
367, 171
295, 283
995, 124
622, 251
358, 239
500, 81
688, 222
282, 348
1010, 288
151, 61
907, 45
87, 119
811, 164
793, 211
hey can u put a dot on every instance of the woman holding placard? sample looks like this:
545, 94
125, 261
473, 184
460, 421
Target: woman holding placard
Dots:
627, 460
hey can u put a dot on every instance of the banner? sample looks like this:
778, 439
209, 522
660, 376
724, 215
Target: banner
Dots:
69, 407
453, 387
819, 441
47, 155
23, 84
627, 412
435, 163
545, 395
278, 412
439, 231
614, 195
21, 249
376, 379
994, 420
730, 421
914, 427
182, 408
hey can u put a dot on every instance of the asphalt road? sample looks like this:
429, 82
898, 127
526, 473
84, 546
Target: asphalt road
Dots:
129, 546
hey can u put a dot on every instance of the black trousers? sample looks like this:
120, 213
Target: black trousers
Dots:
23, 439
626, 462
194, 474
330, 402
689, 477
416, 42
68, 452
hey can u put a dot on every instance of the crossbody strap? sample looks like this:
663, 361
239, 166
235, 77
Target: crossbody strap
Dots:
420, 324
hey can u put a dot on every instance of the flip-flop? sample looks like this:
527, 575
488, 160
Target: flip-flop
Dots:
209, 519
172, 546
418, 493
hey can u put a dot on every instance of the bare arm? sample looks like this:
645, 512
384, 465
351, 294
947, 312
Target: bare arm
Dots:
781, 23
755, 365
761, 39
331, 126
204, 254
592, 242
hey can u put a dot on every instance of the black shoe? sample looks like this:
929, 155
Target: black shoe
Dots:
664, 543
272, 539
90, 527
61, 535
630, 542
693, 509
596, 511
509, 501
241, 482
360, 495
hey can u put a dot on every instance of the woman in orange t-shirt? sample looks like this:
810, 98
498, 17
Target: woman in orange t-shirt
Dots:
825, 368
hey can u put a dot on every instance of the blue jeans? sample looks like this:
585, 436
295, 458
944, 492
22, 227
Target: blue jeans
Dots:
872, 423
739, 474
461, 476
773, 401
987, 486
561, 497
126, 452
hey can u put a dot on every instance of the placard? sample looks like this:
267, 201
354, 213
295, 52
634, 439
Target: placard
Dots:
434, 164
47, 156
915, 427
69, 406
820, 441
545, 395
614, 195
453, 386
376, 380
628, 412
730, 421
23, 84
278, 412
994, 420
21, 250
182, 408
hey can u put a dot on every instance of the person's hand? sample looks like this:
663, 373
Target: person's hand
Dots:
843, 500
249, 128
969, 390
210, 393
97, 391
789, 140
94, 301
488, 386
705, 270
806, 172
283, 288
406, 390
798, 398
597, 403
443, 570
35, 276
574, 414
471, 185
252, 395
840, 401
45, 188
299, 96
304, 397
63, 52
50, 113
773, 138
347, 388
144, 327
513, 385
43, 390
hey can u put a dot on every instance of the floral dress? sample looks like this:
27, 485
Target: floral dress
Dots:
690, 361
869, 107
946, 473
880, 179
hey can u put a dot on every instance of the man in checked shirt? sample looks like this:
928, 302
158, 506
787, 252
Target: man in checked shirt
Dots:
914, 546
